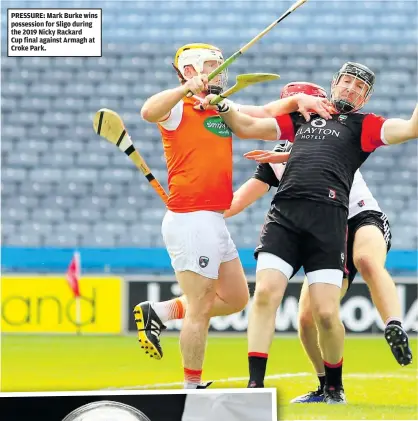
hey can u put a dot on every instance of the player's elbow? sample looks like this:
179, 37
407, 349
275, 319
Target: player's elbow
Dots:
146, 114
150, 113
236, 207
414, 129
229, 213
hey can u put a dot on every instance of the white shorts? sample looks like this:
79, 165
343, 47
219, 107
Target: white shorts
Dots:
198, 241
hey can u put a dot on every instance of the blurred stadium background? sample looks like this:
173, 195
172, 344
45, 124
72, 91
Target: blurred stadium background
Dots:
66, 189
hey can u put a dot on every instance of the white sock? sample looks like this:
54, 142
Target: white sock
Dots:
173, 309
188, 385
162, 310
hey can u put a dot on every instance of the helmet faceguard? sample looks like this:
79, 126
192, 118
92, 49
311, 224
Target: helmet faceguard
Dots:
353, 98
196, 55
306, 88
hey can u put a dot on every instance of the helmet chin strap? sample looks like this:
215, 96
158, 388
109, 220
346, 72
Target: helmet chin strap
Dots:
343, 106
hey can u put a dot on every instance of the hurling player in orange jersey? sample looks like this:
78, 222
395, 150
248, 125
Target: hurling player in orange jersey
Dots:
198, 150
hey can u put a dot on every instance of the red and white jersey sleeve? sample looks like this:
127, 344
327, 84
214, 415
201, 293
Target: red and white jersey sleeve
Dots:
372, 133
286, 128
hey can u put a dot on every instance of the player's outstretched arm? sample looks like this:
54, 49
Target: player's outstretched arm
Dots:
246, 195
247, 127
297, 103
254, 111
158, 107
397, 130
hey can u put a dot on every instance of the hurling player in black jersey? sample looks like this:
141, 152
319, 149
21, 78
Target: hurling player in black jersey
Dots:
369, 240
307, 222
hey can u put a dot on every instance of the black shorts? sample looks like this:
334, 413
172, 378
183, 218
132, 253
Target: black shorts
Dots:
365, 218
305, 233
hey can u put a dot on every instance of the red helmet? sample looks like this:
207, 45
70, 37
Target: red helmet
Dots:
307, 88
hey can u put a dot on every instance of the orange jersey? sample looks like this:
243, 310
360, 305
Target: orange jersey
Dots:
198, 152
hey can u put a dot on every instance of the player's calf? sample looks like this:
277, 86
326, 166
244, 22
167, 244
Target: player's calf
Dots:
200, 293
270, 287
325, 302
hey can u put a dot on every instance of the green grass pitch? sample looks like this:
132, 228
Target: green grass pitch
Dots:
376, 386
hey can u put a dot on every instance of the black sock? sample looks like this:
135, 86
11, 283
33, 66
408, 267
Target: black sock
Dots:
322, 381
333, 374
257, 363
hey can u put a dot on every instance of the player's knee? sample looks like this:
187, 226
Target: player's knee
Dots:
327, 318
367, 265
306, 321
267, 294
201, 307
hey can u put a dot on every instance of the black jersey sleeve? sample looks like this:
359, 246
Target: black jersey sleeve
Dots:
266, 174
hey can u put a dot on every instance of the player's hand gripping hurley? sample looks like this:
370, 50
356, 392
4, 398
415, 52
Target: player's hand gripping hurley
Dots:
109, 124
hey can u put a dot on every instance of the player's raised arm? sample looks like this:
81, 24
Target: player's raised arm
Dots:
378, 131
247, 127
272, 109
302, 103
397, 130
158, 107
292, 100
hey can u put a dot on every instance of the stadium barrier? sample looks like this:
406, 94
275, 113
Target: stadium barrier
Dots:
357, 311
142, 260
45, 304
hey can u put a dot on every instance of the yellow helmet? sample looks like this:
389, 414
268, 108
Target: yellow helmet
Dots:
195, 55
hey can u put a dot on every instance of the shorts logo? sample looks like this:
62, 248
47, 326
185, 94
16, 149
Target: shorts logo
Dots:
203, 261
361, 203
216, 125
332, 194
343, 258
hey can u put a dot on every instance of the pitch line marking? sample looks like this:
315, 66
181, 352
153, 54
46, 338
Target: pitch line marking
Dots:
271, 377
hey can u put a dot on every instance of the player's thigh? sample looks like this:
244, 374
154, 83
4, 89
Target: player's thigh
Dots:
232, 286
324, 245
370, 243
325, 302
194, 241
